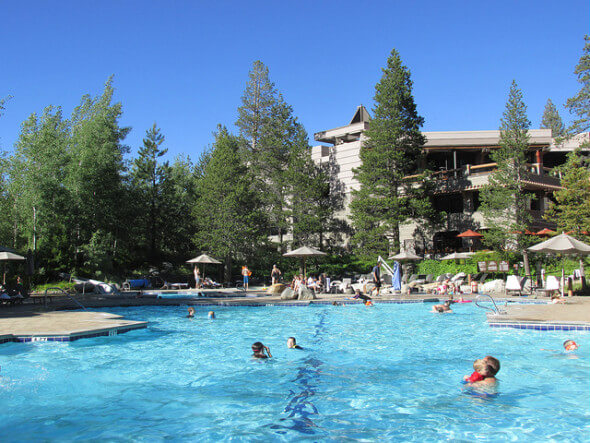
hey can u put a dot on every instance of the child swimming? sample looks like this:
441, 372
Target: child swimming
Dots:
486, 369
258, 350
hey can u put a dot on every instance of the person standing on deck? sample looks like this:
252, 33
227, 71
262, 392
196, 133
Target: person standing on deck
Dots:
197, 274
275, 274
377, 277
246, 273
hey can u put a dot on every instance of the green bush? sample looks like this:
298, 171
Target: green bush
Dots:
66, 286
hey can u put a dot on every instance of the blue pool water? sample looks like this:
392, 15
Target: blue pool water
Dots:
387, 373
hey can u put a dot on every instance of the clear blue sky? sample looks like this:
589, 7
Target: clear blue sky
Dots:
184, 64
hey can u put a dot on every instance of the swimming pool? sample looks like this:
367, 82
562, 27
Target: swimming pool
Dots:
391, 372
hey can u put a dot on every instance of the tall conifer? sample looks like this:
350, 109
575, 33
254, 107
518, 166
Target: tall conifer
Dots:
392, 151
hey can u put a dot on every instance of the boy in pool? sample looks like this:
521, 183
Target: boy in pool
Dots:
258, 350
480, 368
292, 343
211, 315
191, 312
570, 345
443, 309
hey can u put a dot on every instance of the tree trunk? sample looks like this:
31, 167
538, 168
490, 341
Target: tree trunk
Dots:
227, 269
527, 267
582, 274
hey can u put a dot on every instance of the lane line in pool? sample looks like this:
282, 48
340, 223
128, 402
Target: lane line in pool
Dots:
300, 408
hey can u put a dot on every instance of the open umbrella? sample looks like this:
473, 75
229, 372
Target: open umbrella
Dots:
303, 253
9, 256
204, 258
457, 256
470, 235
562, 244
405, 256
545, 233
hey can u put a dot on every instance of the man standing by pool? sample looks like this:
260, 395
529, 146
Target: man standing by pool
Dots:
377, 277
246, 273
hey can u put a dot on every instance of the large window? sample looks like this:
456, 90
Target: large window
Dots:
449, 203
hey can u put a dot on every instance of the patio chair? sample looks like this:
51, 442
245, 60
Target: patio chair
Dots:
514, 283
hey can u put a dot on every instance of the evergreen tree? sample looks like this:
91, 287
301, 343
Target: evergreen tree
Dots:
504, 200
579, 104
552, 120
228, 221
392, 152
151, 178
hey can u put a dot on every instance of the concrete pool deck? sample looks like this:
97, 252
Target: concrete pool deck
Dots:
57, 321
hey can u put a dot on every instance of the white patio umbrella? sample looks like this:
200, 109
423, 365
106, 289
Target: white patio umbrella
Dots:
457, 256
9, 256
204, 259
405, 256
303, 253
562, 244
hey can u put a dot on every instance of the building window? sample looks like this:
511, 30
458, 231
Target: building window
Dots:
449, 203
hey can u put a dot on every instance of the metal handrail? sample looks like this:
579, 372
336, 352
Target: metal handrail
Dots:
65, 293
495, 309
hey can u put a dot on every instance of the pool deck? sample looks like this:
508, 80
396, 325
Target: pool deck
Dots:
58, 321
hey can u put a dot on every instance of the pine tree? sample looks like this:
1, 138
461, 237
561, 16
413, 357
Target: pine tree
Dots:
552, 120
579, 104
392, 152
151, 178
504, 201
228, 221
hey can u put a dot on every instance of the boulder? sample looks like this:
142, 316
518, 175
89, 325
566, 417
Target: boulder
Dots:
306, 294
494, 287
288, 294
276, 289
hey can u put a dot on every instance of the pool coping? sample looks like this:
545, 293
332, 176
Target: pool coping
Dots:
72, 336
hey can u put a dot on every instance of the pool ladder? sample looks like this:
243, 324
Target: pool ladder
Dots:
65, 293
495, 310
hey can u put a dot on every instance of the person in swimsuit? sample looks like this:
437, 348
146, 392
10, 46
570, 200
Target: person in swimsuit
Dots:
246, 276
292, 343
197, 274
480, 368
492, 366
191, 312
211, 315
570, 345
275, 274
443, 309
258, 350
377, 277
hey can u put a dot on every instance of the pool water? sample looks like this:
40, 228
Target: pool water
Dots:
389, 372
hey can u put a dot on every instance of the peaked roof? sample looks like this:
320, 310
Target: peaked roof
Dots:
361, 115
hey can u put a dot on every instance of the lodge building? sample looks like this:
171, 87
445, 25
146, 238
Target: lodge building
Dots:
462, 164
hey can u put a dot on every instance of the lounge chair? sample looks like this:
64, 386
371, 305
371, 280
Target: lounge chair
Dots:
514, 283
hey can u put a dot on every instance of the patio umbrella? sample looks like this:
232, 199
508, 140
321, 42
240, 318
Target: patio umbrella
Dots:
303, 253
204, 259
457, 256
545, 232
470, 235
9, 256
405, 256
562, 244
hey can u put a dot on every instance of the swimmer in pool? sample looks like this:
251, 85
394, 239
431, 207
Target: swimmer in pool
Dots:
480, 368
191, 312
443, 309
489, 375
292, 343
570, 345
258, 351
211, 315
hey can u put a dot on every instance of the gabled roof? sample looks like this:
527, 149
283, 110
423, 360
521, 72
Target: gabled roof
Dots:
360, 116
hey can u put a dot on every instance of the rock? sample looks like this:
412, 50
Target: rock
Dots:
276, 289
288, 294
494, 287
306, 294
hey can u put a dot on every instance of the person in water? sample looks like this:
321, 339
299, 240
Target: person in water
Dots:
191, 312
570, 345
211, 315
258, 351
490, 367
480, 368
292, 343
359, 295
444, 308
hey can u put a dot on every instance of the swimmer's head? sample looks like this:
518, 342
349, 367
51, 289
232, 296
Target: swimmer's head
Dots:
448, 303
257, 347
493, 364
368, 303
570, 345
291, 342
211, 314
481, 366
191, 311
